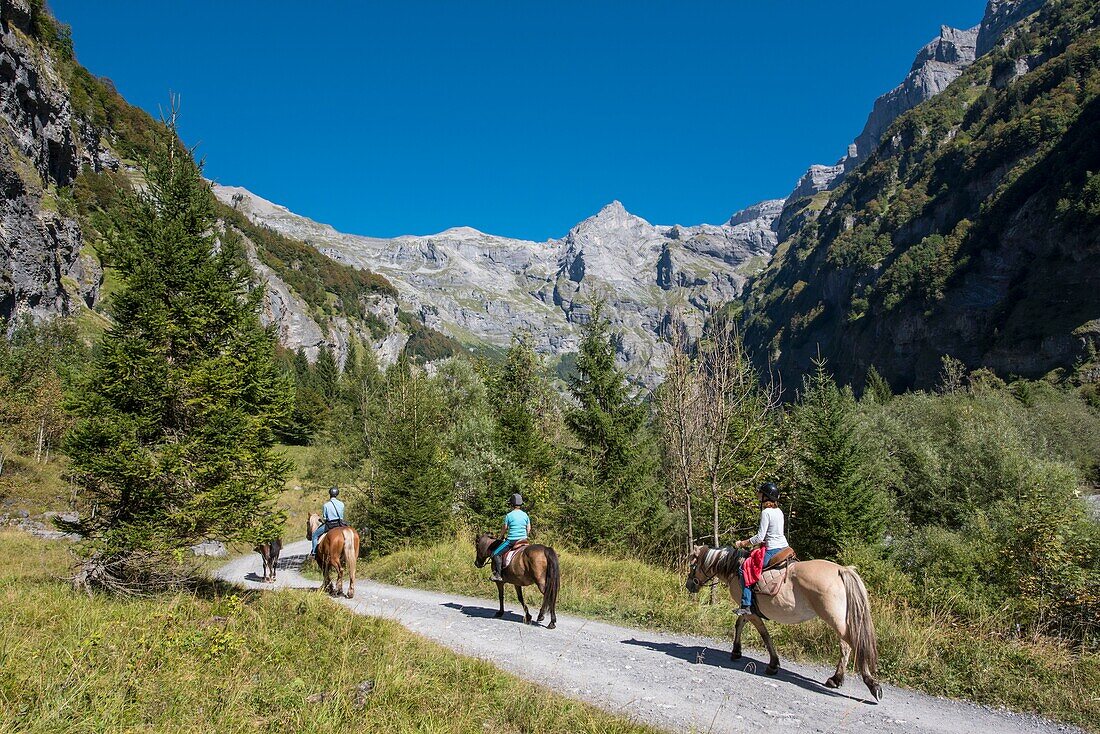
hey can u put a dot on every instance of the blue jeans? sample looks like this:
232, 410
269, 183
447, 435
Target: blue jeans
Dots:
746, 592
503, 547
317, 536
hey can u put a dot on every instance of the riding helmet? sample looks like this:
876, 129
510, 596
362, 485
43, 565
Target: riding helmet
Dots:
517, 500
770, 491
334, 492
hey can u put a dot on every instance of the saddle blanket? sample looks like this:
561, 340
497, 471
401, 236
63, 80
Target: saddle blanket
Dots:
771, 581
511, 552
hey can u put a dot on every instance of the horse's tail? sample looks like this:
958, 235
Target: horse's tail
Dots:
351, 551
861, 628
553, 578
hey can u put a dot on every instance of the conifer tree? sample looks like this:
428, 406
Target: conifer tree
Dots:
835, 503
524, 410
327, 374
174, 439
877, 388
412, 498
615, 497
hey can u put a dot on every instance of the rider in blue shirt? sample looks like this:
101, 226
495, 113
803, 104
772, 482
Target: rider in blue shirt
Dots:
517, 526
332, 514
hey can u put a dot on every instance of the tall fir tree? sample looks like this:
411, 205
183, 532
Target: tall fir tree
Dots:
525, 413
835, 504
174, 439
327, 374
412, 492
616, 499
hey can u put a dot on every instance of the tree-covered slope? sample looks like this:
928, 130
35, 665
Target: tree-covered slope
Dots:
973, 230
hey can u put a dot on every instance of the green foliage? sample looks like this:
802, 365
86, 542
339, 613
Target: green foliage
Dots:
615, 499
876, 387
426, 344
836, 504
313, 276
412, 493
176, 417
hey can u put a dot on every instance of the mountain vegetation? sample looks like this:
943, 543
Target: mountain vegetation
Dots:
971, 231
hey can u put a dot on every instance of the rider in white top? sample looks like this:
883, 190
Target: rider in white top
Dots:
770, 535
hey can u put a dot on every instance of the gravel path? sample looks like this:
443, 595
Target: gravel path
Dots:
676, 682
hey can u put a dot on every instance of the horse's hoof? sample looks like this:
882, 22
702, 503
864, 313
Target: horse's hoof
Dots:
527, 620
735, 655
876, 691
551, 626
771, 671
833, 683
351, 594
539, 619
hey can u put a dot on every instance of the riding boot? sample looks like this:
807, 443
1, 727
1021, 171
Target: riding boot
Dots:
498, 567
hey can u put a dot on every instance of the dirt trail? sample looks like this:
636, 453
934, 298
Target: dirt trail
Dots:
677, 682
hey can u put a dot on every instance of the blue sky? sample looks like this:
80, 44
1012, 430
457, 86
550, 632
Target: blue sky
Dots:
518, 118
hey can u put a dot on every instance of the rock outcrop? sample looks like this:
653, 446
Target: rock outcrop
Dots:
482, 288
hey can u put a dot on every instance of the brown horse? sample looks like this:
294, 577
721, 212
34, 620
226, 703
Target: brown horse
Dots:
532, 564
816, 588
338, 549
269, 553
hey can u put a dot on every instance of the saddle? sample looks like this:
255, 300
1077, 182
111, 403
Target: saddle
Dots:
511, 552
775, 573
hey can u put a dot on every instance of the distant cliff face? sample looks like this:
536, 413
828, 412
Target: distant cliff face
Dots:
973, 230
482, 288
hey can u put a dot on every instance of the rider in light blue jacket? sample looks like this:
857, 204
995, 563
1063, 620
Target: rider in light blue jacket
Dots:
332, 514
517, 526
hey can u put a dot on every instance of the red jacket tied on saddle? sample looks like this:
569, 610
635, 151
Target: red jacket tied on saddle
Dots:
753, 566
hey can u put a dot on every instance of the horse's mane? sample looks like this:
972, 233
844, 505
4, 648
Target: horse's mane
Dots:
722, 561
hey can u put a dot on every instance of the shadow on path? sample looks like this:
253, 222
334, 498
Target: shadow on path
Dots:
487, 613
721, 658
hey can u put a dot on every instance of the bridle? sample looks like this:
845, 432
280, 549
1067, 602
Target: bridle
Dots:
713, 557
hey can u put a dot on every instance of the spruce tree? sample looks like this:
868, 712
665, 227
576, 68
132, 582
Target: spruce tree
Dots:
835, 503
327, 374
876, 387
174, 438
412, 492
524, 410
615, 499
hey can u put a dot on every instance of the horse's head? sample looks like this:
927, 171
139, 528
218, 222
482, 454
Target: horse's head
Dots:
312, 524
483, 543
695, 577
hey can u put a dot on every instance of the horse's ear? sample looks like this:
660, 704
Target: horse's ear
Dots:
696, 548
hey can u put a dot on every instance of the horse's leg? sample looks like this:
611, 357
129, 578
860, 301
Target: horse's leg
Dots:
522, 603
735, 654
541, 584
837, 679
773, 661
500, 595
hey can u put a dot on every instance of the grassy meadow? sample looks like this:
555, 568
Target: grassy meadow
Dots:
924, 649
229, 661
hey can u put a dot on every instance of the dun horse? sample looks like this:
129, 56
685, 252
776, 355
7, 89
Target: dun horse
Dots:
338, 549
816, 588
531, 564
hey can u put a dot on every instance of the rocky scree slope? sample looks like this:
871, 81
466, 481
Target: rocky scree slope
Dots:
481, 288
973, 230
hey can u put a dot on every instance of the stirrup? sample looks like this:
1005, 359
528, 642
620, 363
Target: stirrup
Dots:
743, 611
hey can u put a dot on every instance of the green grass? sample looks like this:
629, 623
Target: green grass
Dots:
236, 662
917, 649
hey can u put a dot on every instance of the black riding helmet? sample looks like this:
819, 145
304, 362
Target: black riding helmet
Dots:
334, 492
770, 491
517, 500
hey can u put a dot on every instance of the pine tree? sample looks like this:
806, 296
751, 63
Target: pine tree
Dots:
413, 496
835, 503
175, 432
615, 499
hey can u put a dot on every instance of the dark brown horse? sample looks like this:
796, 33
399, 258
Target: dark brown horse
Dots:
338, 549
269, 552
532, 564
